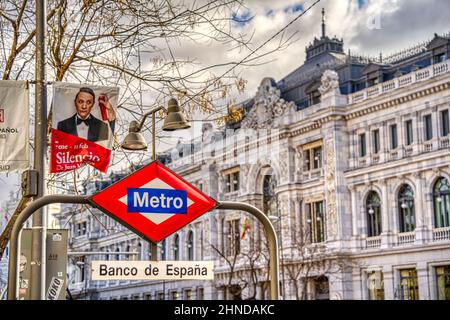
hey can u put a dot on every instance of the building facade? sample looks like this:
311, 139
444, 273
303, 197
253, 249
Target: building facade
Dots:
348, 156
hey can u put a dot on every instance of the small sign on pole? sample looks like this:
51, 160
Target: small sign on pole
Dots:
152, 270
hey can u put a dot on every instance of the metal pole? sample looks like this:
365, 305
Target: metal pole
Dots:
23, 216
37, 280
153, 136
271, 238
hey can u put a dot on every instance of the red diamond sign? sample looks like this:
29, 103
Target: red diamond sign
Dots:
154, 202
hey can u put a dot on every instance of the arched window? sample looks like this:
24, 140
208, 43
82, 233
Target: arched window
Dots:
373, 210
176, 247
406, 209
163, 250
441, 200
190, 246
269, 196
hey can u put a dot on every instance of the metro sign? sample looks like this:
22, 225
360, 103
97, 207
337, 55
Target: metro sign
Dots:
154, 202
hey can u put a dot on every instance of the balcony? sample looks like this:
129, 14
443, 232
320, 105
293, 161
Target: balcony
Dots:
444, 142
400, 82
441, 234
312, 174
373, 242
406, 238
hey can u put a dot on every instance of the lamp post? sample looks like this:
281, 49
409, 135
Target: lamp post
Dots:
135, 141
174, 121
277, 219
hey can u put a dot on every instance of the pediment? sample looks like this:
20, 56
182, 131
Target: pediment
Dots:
437, 42
372, 67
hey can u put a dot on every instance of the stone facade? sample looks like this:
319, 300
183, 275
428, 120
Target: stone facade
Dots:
331, 176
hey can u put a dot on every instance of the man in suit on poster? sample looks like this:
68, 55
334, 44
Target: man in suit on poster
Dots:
83, 124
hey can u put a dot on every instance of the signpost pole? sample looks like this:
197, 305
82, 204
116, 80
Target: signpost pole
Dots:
271, 238
40, 140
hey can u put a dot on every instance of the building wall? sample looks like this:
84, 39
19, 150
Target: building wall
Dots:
341, 183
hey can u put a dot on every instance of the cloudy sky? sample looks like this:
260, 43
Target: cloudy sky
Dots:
367, 27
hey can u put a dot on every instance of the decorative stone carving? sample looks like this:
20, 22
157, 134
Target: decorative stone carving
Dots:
330, 182
330, 82
245, 170
268, 106
329, 90
284, 166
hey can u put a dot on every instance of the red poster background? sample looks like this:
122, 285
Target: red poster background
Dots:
69, 152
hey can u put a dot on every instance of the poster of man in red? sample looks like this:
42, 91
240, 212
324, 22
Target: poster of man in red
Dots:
83, 123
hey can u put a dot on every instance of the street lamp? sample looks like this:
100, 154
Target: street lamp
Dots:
277, 219
174, 121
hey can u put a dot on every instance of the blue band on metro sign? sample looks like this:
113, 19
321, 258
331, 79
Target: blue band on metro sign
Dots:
157, 200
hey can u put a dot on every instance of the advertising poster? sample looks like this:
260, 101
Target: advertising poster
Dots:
83, 124
14, 117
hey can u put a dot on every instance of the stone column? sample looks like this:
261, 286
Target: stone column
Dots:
388, 280
420, 208
422, 278
386, 233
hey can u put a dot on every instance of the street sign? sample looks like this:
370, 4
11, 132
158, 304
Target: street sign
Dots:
153, 202
152, 270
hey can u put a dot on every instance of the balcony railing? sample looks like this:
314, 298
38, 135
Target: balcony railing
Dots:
444, 142
441, 234
373, 242
406, 238
312, 174
412, 77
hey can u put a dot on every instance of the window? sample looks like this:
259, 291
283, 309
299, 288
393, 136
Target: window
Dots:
314, 97
406, 209
161, 296
312, 156
174, 295
190, 246
270, 206
148, 296
441, 197
373, 210
81, 228
444, 123
443, 282
394, 140
187, 294
315, 219
375, 285
362, 145
232, 237
428, 127
231, 179
409, 132
439, 58
176, 247
376, 141
409, 287
200, 293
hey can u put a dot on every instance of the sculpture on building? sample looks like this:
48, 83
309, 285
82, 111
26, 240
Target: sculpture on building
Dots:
330, 83
267, 107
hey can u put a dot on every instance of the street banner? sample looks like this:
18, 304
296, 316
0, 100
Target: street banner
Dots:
14, 122
152, 270
83, 122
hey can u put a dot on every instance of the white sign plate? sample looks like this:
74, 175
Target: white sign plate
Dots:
152, 270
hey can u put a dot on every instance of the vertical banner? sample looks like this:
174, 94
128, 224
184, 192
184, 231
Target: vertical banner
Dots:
83, 124
14, 122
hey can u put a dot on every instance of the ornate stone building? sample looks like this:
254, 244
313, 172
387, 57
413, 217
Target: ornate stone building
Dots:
350, 159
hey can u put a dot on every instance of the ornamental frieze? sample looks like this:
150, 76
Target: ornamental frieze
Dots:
267, 107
